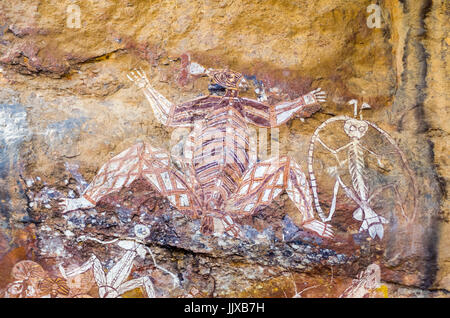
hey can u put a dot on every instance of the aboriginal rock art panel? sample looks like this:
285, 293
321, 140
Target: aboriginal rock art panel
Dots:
388, 186
159, 183
216, 179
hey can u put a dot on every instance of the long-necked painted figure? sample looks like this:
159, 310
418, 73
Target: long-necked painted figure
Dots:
216, 179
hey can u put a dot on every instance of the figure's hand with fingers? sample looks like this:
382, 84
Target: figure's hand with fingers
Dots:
138, 77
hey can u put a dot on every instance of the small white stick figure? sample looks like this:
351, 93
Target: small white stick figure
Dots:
113, 284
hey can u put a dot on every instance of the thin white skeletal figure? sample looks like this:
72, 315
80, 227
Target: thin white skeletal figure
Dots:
113, 284
367, 281
217, 180
359, 192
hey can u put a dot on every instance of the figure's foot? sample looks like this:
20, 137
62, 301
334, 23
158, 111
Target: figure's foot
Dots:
68, 205
319, 95
322, 229
374, 225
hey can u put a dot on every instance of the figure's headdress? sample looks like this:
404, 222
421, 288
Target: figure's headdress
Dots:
226, 78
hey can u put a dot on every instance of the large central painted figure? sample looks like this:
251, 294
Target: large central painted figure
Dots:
216, 179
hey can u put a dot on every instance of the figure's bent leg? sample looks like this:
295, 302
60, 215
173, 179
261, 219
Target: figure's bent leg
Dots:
139, 161
266, 180
229, 227
121, 270
371, 220
207, 225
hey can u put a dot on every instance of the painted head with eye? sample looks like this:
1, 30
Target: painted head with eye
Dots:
355, 128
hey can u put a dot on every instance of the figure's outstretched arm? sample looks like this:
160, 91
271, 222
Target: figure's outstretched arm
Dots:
264, 115
182, 115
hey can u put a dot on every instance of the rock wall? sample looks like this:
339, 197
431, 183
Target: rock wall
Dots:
67, 107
